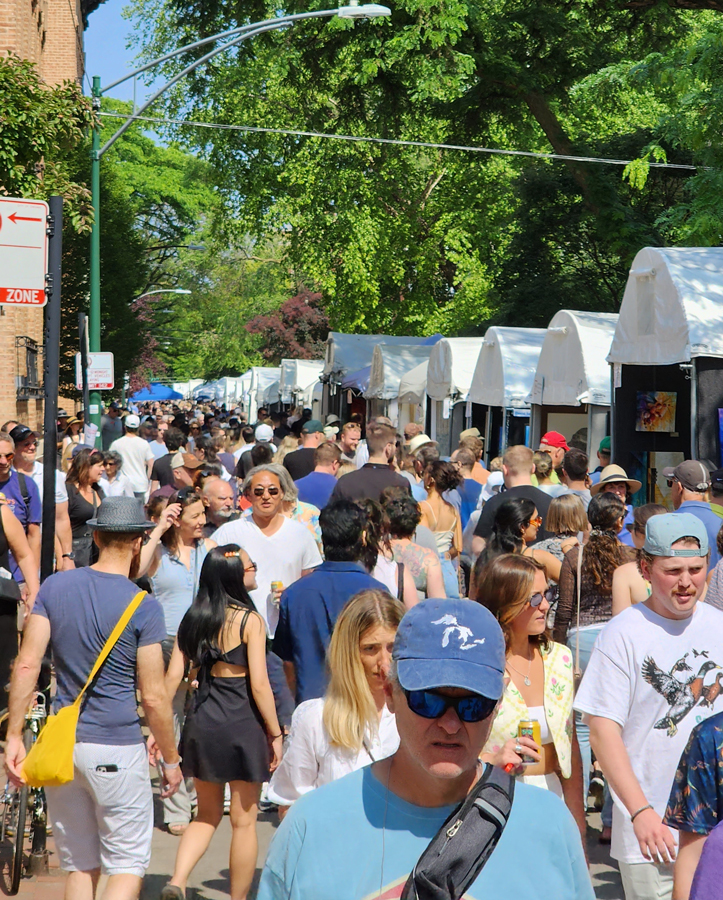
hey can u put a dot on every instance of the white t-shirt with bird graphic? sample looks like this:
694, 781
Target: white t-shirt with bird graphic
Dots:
657, 678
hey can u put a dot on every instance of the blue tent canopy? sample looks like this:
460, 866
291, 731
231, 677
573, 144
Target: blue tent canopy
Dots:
155, 392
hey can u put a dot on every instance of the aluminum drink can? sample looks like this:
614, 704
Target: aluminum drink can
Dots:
277, 585
529, 728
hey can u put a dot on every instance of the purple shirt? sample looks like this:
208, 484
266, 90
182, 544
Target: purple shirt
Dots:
707, 883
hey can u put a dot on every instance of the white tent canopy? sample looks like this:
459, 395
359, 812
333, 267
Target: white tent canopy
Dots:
298, 377
389, 363
413, 384
350, 352
451, 367
672, 309
572, 368
264, 378
506, 366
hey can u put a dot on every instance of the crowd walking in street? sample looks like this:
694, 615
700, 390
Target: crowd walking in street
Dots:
427, 673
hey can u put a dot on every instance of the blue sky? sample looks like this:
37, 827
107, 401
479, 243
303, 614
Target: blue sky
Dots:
105, 49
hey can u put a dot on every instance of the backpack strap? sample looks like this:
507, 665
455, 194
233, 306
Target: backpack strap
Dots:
458, 852
24, 492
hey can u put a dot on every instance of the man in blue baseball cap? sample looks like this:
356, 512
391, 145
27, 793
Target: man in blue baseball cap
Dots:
361, 836
652, 675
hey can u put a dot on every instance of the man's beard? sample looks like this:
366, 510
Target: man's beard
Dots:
227, 515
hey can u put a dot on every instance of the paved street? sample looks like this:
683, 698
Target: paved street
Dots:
210, 879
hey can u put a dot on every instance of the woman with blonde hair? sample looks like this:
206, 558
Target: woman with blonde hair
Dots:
350, 727
287, 445
515, 590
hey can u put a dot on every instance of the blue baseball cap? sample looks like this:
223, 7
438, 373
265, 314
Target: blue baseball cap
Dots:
661, 532
450, 643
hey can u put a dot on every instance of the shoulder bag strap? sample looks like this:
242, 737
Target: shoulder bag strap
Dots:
24, 492
400, 581
111, 642
577, 672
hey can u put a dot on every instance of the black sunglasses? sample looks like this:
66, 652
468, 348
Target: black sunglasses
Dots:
537, 598
430, 705
260, 491
185, 493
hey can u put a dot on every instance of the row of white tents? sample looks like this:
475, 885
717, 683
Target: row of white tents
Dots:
516, 383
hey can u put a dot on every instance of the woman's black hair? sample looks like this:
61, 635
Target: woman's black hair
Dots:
444, 475
511, 519
403, 515
220, 586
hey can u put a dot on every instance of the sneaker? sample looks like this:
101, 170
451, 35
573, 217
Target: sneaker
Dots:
595, 798
266, 805
226, 799
171, 892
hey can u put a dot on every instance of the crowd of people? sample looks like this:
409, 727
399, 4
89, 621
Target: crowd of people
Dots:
336, 604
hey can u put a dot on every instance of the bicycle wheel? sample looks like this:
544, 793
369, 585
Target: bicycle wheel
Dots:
16, 868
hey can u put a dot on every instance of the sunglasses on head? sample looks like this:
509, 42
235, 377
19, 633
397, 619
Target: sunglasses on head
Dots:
251, 567
186, 492
261, 491
537, 598
430, 705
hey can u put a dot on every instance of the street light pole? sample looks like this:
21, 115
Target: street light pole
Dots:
237, 35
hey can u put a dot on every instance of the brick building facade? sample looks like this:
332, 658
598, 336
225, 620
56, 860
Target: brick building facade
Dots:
50, 34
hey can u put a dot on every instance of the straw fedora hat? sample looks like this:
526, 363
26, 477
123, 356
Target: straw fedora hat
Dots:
121, 514
612, 474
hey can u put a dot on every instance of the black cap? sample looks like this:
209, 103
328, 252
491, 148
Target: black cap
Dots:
716, 477
21, 433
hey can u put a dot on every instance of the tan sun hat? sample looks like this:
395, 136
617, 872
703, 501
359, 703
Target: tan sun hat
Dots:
613, 474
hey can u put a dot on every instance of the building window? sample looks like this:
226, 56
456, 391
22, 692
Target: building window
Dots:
27, 380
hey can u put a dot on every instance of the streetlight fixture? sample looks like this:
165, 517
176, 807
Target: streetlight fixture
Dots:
354, 10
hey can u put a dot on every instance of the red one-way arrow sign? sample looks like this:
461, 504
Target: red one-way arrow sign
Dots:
16, 218
23, 251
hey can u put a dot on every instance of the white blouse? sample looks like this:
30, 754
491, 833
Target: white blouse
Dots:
310, 761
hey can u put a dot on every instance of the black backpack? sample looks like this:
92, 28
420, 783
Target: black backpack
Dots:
459, 850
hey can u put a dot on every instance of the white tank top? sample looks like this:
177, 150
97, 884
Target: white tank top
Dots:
538, 712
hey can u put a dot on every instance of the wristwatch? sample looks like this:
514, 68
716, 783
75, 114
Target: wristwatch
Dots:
70, 556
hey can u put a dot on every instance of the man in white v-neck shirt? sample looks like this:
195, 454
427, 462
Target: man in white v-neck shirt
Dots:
282, 549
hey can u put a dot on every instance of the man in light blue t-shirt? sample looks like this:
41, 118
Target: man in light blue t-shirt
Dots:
360, 837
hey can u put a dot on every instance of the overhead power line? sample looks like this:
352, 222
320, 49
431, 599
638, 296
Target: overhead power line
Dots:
430, 145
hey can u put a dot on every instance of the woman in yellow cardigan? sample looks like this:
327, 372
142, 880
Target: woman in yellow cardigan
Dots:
540, 683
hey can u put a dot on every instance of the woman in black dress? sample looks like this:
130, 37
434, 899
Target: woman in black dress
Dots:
231, 733
84, 496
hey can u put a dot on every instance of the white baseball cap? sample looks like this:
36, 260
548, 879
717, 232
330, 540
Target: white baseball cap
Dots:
132, 421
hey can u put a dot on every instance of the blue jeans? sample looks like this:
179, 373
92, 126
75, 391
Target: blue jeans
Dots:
587, 639
451, 581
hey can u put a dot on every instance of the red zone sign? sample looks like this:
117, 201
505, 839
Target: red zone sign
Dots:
23, 251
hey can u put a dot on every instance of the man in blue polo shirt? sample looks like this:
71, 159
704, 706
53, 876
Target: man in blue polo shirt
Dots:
689, 485
310, 606
316, 487
23, 499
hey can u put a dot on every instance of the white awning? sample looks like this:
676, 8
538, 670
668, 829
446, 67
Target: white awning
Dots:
451, 367
389, 363
358, 380
298, 376
573, 368
264, 379
672, 309
350, 352
413, 384
506, 366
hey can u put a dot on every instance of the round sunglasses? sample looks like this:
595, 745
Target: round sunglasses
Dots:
537, 598
430, 705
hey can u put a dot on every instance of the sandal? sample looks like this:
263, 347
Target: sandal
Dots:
171, 892
177, 829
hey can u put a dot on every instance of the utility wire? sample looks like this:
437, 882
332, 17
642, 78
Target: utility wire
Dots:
399, 143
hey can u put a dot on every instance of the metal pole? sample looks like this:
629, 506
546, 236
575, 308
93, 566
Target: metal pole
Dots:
51, 383
92, 410
83, 341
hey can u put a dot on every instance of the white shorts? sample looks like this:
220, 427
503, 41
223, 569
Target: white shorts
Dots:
104, 820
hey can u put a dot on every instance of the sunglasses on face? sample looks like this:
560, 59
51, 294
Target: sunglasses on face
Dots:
430, 705
7, 456
536, 521
632, 527
536, 599
261, 491
670, 482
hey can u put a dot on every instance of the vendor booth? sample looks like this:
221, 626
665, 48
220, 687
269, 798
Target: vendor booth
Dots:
501, 385
299, 377
571, 390
347, 357
449, 377
390, 362
667, 365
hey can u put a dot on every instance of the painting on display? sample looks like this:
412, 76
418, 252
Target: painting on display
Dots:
656, 411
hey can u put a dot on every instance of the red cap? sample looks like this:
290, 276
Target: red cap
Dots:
554, 439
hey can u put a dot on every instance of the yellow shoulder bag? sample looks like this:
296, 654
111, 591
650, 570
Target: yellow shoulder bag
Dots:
50, 760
